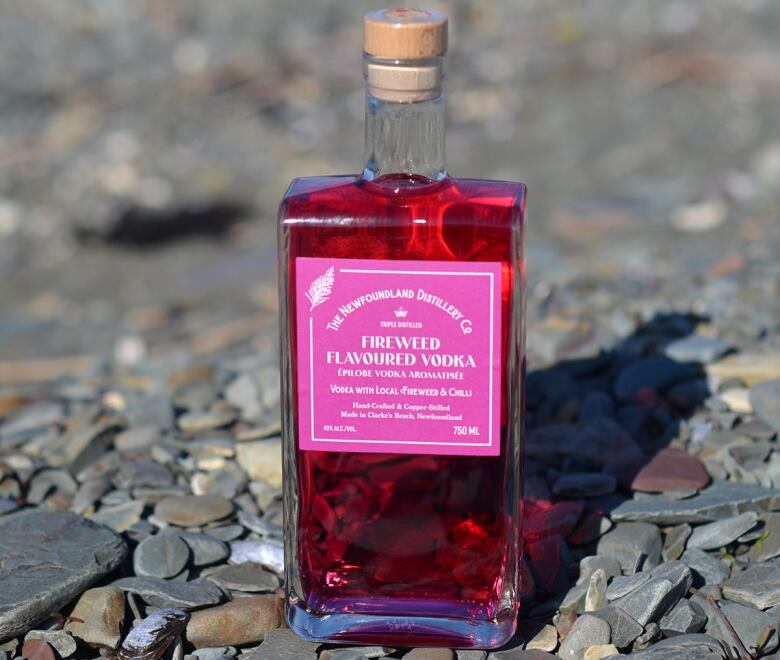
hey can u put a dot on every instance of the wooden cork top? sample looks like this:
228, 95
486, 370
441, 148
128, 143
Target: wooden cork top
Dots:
405, 34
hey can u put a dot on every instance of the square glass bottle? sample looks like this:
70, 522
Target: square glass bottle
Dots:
402, 316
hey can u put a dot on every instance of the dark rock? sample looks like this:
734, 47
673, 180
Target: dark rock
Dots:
722, 532
596, 405
706, 568
47, 559
713, 503
172, 593
756, 586
584, 484
685, 617
634, 545
625, 629
654, 373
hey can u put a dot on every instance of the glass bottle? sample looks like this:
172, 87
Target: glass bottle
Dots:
402, 331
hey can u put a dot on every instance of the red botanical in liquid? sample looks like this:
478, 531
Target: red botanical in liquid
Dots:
400, 534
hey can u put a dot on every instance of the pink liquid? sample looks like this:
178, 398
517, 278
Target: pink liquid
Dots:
406, 535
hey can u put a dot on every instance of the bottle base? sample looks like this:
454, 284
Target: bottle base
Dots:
401, 631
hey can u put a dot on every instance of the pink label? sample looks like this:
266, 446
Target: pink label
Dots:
399, 356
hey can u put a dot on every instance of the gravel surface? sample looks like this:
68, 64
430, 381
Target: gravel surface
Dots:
145, 147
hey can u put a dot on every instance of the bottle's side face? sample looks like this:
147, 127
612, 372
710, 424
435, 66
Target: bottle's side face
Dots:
404, 548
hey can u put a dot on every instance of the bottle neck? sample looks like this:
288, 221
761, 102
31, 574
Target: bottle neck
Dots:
404, 127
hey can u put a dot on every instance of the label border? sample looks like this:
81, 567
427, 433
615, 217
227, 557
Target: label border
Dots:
489, 444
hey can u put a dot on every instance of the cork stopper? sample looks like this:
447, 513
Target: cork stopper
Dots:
405, 34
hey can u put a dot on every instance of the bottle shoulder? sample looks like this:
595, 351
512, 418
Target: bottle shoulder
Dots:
351, 196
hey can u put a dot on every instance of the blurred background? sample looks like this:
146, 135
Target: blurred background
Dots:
144, 147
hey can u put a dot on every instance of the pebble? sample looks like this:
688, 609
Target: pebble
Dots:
650, 601
722, 532
713, 503
696, 646
102, 614
751, 368
37, 649
137, 438
265, 553
706, 568
215, 653
634, 545
600, 651
283, 644
596, 598
150, 637
60, 640
193, 510
765, 401
56, 543
119, 517
671, 470
237, 623
246, 577
747, 622
162, 555
585, 484
737, 399
430, 654
652, 373
757, 586
171, 593
587, 631
207, 420
262, 460
144, 473
624, 628
623, 585
205, 549
697, 348
372, 652
685, 617
545, 640
675, 541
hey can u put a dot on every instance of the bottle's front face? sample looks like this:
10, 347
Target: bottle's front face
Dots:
402, 313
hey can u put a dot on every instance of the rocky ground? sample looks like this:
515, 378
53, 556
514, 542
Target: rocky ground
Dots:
145, 147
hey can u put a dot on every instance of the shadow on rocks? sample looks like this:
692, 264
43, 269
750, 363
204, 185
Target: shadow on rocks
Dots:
600, 429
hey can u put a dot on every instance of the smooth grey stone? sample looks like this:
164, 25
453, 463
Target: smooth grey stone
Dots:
172, 593
677, 572
747, 622
226, 533
655, 372
589, 564
32, 419
46, 482
634, 545
137, 438
520, 654
162, 555
574, 600
768, 545
246, 577
697, 348
717, 501
115, 497
88, 493
206, 549
651, 601
722, 532
144, 473
260, 525
214, 653
243, 393
685, 617
584, 484
624, 628
696, 646
711, 570
119, 517
283, 644
586, 631
8, 504
675, 541
82, 446
267, 553
765, 399
623, 585
652, 633
470, 654
49, 558
757, 586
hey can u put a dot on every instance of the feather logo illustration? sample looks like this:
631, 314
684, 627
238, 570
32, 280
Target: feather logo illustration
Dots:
320, 289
